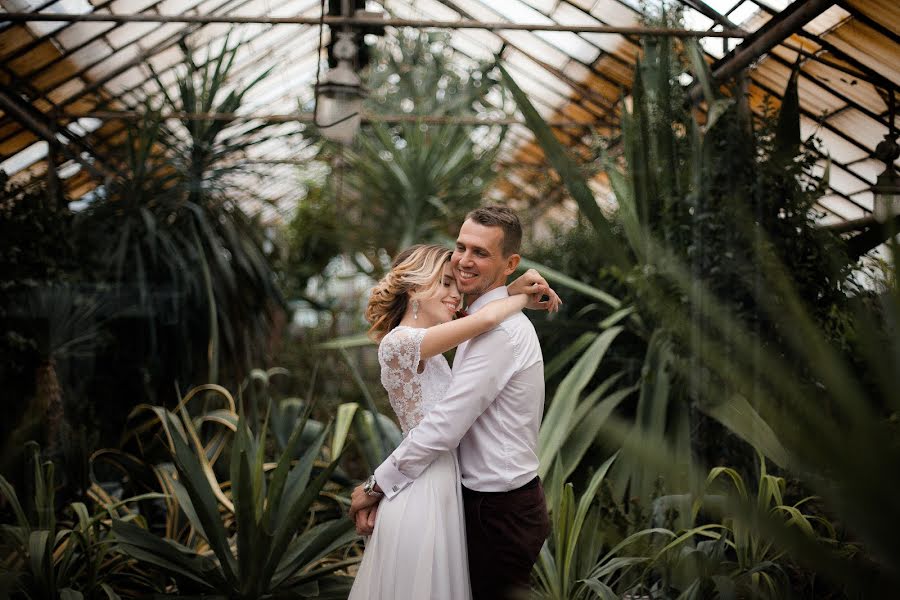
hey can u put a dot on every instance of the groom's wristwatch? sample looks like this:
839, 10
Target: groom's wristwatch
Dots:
369, 488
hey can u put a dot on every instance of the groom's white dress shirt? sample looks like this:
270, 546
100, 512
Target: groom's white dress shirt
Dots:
492, 412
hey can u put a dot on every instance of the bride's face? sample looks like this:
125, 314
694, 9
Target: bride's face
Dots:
443, 303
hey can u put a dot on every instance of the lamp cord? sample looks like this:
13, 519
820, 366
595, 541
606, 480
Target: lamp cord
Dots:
318, 71
318, 64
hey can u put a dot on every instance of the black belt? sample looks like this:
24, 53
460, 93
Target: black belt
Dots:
531, 484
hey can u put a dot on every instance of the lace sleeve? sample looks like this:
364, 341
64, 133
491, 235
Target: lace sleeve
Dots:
399, 356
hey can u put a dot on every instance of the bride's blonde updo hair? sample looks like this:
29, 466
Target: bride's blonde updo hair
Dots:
415, 272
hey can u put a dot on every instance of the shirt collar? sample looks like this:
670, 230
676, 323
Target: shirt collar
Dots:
494, 294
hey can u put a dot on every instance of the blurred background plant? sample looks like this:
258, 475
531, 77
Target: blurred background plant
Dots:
749, 332
412, 181
159, 277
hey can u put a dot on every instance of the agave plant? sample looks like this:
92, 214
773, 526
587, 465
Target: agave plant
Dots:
594, 552
67, 554
750, 559
254, 535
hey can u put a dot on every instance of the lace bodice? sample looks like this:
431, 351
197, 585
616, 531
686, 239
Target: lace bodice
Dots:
411, 393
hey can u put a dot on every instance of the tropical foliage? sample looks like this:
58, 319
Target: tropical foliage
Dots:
44, 316
759, 355
269, 522
721, 414
598, 549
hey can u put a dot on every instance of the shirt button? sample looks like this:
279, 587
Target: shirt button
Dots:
395, 488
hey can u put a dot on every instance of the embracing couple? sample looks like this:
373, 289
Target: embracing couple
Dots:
457, 510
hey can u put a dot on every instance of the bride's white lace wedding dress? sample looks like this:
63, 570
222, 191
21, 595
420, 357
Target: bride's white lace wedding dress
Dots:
418, 548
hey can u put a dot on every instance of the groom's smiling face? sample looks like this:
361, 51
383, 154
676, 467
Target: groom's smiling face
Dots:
478, 260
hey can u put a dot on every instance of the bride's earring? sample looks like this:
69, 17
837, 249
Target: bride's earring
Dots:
415, 309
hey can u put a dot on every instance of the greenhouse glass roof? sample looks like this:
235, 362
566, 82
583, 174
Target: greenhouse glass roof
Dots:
74, 80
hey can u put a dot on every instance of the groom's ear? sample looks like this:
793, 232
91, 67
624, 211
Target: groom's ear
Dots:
512, 263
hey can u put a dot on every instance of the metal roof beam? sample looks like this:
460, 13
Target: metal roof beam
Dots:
131, 114
817, 57
825, 124
873, 237
142, 55
706, 10
19, 90
849, 102
47, 4
583, 90
603, 53
308, 118
35, 121
98, 84
874, 76
19, 17
125, 115
137, 60
779, 28
120, 96
825, 46
54, 33
833, 130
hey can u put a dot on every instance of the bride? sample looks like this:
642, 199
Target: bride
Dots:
418, 548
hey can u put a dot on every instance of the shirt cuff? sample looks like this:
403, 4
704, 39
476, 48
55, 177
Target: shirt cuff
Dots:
390, 479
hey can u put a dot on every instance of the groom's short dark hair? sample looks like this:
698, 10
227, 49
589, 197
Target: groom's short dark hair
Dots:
504, 218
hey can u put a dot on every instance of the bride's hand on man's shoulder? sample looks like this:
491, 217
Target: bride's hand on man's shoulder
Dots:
533, 283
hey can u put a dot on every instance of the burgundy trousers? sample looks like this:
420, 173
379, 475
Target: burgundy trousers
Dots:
504, 535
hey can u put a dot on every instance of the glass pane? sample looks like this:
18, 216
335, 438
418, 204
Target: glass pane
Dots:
571, 44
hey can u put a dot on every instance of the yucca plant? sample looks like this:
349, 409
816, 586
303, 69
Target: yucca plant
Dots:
203, 152
752, 561
256, 536
173, 234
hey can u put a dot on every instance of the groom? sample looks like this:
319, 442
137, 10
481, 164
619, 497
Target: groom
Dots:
492, 412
